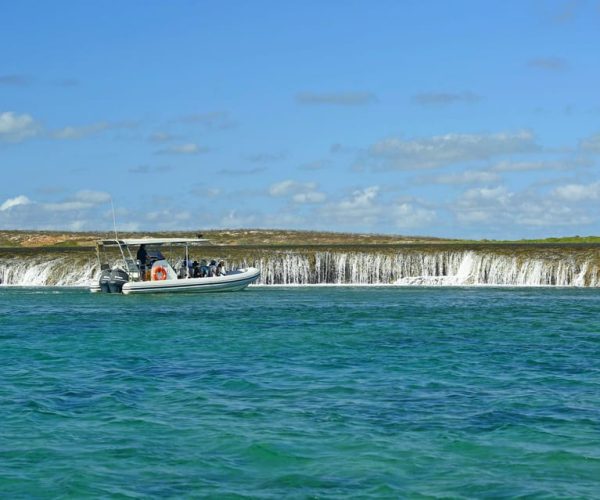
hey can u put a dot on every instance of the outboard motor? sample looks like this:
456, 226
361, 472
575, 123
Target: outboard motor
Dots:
118, 278
104, 280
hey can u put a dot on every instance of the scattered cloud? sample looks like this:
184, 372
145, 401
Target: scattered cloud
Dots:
147, 169
567, 11
547, 165
92, 197
300, 192
360, 208
315, 165
81, 131
15, 80
578, 192
338, 148
14, 202
71, 132
17, 128
81, 200
505, 209
464, 177
548, 63
591, 144
184, 149
66, 206
409, 216
309, 197
203, 191
437, 151
445, 98
166, 217
336, 98
241, 171
233, 219
285, 187
159, 137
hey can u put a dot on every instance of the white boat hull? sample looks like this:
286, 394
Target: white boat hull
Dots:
232, 281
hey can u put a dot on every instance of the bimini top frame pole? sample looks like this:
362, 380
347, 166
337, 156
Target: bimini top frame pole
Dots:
153, 241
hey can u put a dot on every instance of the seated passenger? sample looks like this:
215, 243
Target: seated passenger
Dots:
212, 269
221, 269
203, 269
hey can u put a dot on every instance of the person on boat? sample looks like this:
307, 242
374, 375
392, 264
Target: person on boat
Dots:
195, 269
203, 268
190, 268
212, 269
221, 269
142, 257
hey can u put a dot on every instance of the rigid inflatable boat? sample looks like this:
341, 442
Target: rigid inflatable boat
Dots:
151, 272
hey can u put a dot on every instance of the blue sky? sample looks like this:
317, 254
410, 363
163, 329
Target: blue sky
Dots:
459, 119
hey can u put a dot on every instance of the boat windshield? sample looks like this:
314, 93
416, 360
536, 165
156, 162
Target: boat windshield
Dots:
155, 254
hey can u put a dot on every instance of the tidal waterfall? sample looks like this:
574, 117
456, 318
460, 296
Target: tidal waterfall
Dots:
425, 267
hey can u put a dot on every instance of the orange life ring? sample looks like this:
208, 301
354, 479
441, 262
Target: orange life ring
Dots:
159, 273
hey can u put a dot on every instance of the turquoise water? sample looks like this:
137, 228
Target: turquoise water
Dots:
307, 392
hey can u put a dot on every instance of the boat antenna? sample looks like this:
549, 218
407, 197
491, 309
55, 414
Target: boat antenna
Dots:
114, 218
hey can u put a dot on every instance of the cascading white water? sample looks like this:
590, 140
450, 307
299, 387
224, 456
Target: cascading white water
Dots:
436, 267
47, 271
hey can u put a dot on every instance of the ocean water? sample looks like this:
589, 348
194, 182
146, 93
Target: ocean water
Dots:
301, 393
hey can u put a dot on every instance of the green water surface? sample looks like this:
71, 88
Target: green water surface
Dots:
301, 393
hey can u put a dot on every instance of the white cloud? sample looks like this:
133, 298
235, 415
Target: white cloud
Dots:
360, 208
578, 192
436, 151
72, 132
283, 188
15, 80
527, 166
92, 197
14, 202
301, 192
548, 63
184, 149
17, 128
444, 98
496, 194
407, 215
309, 197
148, 169
66, 206
168, 216
482, 204
79, 132
233, 219
315, 165
499, 208
81, 200
241, 171
591, 144
161, 137
336, 98
466, 177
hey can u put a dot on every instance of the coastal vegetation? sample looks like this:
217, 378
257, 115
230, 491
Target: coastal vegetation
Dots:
265, 238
